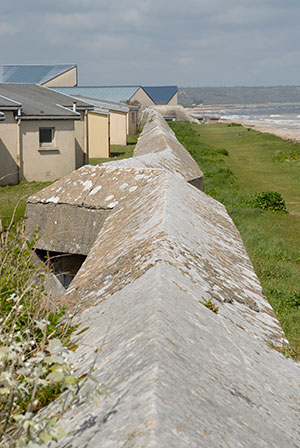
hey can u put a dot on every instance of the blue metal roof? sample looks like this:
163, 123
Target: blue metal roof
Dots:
37, 74
161, 94
111, 93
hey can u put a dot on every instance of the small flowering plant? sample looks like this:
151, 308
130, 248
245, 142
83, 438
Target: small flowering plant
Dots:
35, 365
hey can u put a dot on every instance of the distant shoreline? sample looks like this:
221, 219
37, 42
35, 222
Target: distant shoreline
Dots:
283, 133
211, 113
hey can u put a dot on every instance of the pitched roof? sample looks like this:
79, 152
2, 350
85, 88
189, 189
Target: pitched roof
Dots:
121, 94
8, 103
34, 100
110, 93
161, 94
38, 74
120, 107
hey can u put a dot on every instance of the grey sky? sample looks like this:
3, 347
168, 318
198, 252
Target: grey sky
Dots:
186, 42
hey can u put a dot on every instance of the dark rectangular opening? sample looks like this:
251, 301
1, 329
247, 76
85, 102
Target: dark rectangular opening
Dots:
64, 266
46, 136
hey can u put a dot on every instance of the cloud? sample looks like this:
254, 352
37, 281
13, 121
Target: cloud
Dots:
141, 41
7, 30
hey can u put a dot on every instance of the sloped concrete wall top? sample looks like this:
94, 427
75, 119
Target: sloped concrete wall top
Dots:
70, 213
178, 374
158, 147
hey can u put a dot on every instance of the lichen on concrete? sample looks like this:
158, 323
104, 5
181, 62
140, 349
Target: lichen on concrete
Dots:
83, 200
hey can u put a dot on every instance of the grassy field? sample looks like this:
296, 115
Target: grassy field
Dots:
237, 163
13, 200
118, 152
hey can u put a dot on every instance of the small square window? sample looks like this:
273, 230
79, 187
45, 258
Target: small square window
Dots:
46, 136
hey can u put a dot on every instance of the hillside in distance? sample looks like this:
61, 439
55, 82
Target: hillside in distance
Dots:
191, 96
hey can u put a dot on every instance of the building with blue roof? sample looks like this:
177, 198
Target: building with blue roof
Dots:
139, 95
162, 94
43, 74
118, 94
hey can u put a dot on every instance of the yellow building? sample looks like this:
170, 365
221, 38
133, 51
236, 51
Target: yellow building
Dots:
98, 132
123, 114
121, 123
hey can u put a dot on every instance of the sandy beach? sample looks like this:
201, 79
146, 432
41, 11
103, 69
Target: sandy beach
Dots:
212, 114
286, 134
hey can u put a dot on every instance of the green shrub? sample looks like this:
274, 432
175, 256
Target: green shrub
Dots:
284, 156
294, 300
223, 151
270, 201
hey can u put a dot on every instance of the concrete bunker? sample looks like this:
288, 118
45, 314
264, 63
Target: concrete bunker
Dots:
69, 214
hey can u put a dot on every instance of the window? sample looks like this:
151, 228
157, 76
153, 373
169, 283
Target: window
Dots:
132, 117
46, 136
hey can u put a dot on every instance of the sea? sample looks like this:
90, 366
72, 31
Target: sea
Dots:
282, 116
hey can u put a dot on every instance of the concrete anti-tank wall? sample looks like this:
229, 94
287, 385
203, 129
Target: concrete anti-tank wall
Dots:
177, 374
158, 147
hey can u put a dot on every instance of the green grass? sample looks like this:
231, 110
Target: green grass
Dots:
14, 197
255, 164
118, 152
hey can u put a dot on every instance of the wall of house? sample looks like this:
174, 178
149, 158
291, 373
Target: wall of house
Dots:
132, 122
8, 150
47, 163
67, 79
98, 134
118, 128
81, 139
174, 100
142, 97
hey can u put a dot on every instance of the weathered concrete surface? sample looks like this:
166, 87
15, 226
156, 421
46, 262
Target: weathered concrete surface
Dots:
157, 137
70, 213
158, 147
179, 112
177, 374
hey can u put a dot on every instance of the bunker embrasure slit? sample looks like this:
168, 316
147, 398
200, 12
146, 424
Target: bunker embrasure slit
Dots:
64, 266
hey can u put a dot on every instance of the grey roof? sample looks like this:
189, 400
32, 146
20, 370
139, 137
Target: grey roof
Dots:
121, 107
101, 111
39, 101
161, 94
111, 93
8, 103
38, 74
